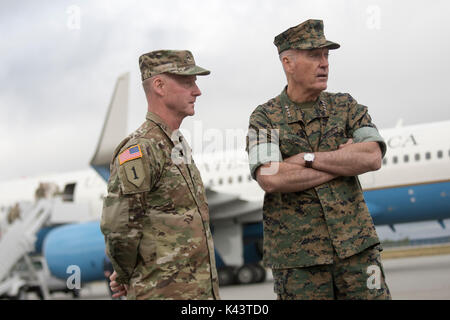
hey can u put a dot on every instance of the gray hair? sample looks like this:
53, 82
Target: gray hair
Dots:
288, 53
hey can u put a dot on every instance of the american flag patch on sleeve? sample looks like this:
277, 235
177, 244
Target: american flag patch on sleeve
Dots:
131, 153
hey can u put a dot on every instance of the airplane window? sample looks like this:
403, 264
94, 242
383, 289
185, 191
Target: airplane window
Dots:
395, 160
417, 156
220, 181
240, 179
249, 178
230, 180
384, 161
406, 158
428, 155
440, 154
211, 182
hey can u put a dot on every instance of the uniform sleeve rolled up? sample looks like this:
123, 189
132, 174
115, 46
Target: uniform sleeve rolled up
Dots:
367, 134
262, 141
361, 127
261, 154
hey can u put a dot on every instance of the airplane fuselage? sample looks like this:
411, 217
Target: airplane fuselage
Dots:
412, 185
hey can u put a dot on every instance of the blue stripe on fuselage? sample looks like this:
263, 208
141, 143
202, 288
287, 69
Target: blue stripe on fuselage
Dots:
409, 204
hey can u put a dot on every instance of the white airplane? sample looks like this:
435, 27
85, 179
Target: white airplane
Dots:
412, 185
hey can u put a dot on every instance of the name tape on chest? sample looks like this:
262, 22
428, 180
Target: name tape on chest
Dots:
133, 152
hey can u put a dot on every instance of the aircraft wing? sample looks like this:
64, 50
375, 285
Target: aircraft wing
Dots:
223, 206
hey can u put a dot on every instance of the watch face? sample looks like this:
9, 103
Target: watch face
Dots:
309, 157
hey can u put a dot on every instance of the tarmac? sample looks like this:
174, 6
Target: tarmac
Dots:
411, 278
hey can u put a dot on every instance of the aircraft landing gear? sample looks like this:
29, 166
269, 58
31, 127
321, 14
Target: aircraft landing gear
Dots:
226, 276
250, 273
246, 274
260, 273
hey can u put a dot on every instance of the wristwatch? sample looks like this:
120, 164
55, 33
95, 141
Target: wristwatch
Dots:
309, 158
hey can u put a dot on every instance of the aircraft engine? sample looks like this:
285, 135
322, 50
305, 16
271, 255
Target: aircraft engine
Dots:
74, 246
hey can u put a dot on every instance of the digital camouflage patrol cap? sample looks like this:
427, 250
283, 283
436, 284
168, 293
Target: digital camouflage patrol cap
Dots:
171, 61
307, 35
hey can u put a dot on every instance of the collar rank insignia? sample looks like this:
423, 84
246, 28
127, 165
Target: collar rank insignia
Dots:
324, 106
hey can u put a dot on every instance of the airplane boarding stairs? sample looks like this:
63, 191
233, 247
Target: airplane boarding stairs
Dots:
15, 246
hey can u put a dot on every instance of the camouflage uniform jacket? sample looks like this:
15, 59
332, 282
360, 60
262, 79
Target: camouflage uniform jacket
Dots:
302, 229
156, 219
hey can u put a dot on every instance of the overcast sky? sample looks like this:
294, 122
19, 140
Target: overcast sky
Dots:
60, 60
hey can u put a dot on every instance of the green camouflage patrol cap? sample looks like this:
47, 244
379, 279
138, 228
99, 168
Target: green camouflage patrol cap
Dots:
307, 35
171, 61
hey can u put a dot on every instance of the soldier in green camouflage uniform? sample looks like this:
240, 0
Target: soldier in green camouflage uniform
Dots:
155, 217
306, 148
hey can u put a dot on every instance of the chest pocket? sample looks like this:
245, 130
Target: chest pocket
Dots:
293, 140
291, 144
198, 183
175, 188
335, 134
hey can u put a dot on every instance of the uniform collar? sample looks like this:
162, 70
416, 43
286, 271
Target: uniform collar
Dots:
175, 136
160, 122
295, 114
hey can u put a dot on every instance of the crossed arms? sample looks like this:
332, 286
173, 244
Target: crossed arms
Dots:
291, 175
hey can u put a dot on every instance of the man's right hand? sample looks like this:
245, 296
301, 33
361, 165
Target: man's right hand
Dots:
119, 289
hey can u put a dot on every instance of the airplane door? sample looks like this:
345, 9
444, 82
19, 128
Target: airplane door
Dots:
68, 193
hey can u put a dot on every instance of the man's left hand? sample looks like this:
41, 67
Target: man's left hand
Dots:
349, 142
119, 289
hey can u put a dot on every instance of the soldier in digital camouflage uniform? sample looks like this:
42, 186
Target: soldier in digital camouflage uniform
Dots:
306, 148
155, 217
